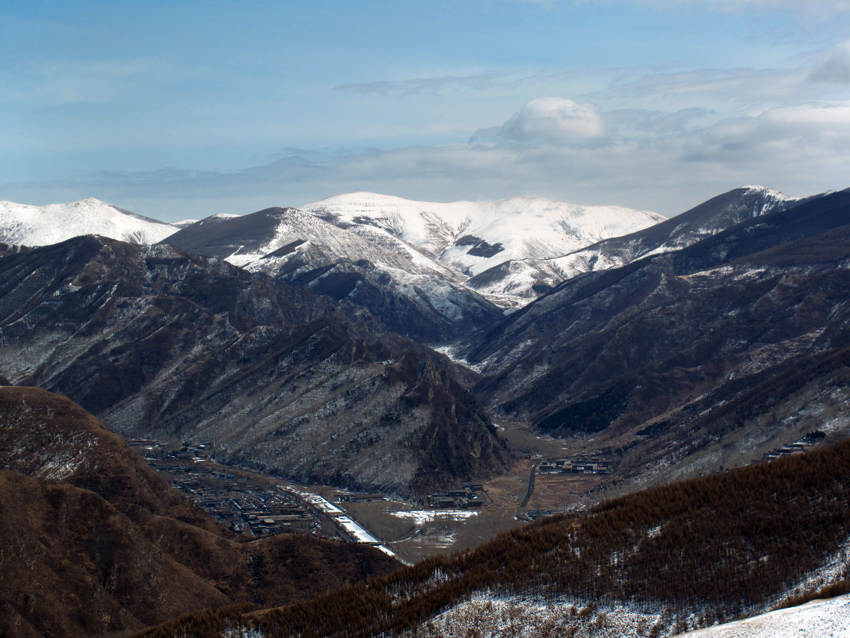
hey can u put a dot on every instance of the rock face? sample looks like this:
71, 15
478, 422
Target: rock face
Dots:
727, 345
160, 343
94, 541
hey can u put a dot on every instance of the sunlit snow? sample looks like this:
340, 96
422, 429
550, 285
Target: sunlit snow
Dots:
26, 225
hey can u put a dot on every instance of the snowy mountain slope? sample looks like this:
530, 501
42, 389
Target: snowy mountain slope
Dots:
322, 241
473, 237
818, 619
528, 277
23, 224
407, 261
709, 218
409, 291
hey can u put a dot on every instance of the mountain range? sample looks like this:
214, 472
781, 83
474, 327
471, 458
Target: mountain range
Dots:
278, 361
691, 360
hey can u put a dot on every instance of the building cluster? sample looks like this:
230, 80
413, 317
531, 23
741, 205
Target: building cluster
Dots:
800, 445
579, 465
467, 497
271, 513
237, 500
344, 496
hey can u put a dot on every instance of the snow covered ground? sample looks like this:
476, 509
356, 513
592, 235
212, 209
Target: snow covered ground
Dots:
342, 519
420, 517
817, 619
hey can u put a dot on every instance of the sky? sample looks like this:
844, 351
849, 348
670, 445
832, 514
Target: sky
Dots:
182, 109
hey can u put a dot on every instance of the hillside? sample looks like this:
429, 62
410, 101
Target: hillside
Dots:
94, 541
698, 359
177, 347
650, 564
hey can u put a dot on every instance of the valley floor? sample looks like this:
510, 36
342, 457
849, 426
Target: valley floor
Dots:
257, 504
549, 476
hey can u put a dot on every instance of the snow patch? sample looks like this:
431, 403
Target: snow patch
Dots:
421, 517
817, 619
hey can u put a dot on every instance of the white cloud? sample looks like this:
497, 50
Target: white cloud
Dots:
548, 119
828, 119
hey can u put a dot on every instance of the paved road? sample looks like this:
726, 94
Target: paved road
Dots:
530, 489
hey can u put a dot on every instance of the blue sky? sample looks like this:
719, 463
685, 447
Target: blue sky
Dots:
179, 109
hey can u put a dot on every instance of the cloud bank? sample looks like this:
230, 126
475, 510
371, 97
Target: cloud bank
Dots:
662, 161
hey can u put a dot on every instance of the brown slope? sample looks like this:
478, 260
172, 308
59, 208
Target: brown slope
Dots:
48, 437
74, 565
94, 541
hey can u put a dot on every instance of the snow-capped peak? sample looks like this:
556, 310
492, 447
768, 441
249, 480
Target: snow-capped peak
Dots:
472, 237
28, 225
770, 192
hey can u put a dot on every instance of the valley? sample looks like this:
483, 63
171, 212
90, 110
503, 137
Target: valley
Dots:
550, 476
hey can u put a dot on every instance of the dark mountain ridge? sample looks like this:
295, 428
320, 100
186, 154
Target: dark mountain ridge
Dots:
161, 343
706, 219
222, 236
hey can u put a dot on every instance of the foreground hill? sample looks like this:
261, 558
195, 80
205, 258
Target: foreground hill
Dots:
692, 360
160, 343
26, 225
94, 541
653, 563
